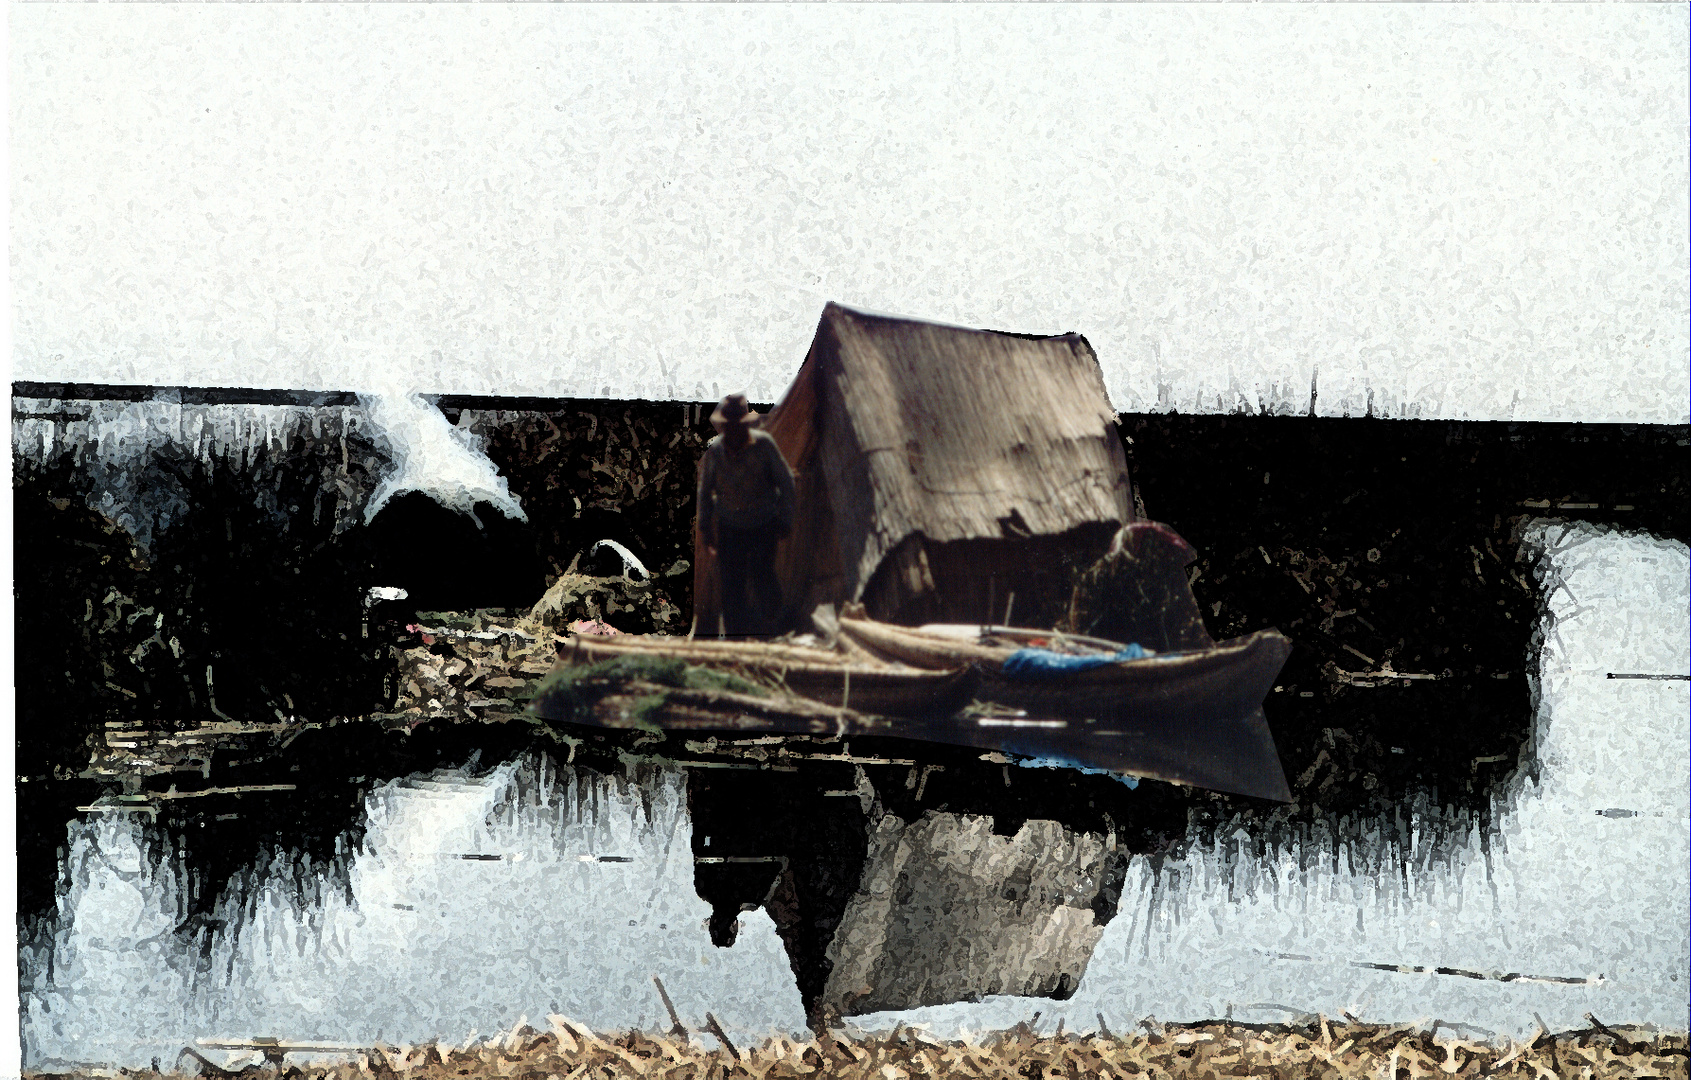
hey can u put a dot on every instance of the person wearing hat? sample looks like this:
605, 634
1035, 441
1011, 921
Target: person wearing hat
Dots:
745, 508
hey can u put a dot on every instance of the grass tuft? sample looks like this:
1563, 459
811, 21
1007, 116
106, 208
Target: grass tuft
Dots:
569, 694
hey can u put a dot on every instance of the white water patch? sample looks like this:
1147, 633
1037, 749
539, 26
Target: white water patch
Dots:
429, 455
1574, 904
114, 956
126, 433
470, 906
137, 456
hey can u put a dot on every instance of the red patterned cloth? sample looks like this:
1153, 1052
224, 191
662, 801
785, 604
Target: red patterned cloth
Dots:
594, 626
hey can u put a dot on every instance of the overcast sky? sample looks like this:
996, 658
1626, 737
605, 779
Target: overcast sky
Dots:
1457, 211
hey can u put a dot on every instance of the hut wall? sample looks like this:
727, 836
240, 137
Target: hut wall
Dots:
959, 434
971, 581
902, 587
808, 562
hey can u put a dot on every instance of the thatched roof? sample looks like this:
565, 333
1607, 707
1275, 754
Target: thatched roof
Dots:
951, 433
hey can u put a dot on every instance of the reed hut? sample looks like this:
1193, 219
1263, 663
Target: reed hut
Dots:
943, 474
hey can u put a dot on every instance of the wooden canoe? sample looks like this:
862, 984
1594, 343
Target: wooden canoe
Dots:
821, 675
1231, 678
1185, 717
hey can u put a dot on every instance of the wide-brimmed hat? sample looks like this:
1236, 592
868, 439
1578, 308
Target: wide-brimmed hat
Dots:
734, 412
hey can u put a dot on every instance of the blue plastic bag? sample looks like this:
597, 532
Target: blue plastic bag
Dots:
1045, 664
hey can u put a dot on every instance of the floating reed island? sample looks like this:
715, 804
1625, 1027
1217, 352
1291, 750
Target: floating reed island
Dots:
1314, 1048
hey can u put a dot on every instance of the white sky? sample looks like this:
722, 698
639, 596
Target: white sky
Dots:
1463, 211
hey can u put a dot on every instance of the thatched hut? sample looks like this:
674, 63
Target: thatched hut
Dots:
943, 474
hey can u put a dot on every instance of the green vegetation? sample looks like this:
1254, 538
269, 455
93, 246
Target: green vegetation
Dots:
471, 621
569, 694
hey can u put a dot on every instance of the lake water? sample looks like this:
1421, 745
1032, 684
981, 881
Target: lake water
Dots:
1586, 877
478, 900
433, 942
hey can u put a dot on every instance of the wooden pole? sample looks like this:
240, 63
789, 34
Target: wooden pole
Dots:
716, 1029
676, 1027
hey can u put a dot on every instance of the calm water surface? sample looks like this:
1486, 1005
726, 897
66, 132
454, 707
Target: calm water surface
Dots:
1581, 889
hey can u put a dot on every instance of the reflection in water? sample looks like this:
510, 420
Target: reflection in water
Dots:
473, 900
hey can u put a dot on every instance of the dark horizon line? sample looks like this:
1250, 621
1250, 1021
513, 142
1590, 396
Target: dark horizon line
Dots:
236, 395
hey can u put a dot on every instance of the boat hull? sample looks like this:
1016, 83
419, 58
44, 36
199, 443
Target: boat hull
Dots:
1187, 718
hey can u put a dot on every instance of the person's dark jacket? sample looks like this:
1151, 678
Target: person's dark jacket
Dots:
745, 488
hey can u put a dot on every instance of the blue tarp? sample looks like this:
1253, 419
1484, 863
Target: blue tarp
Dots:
1045, 664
